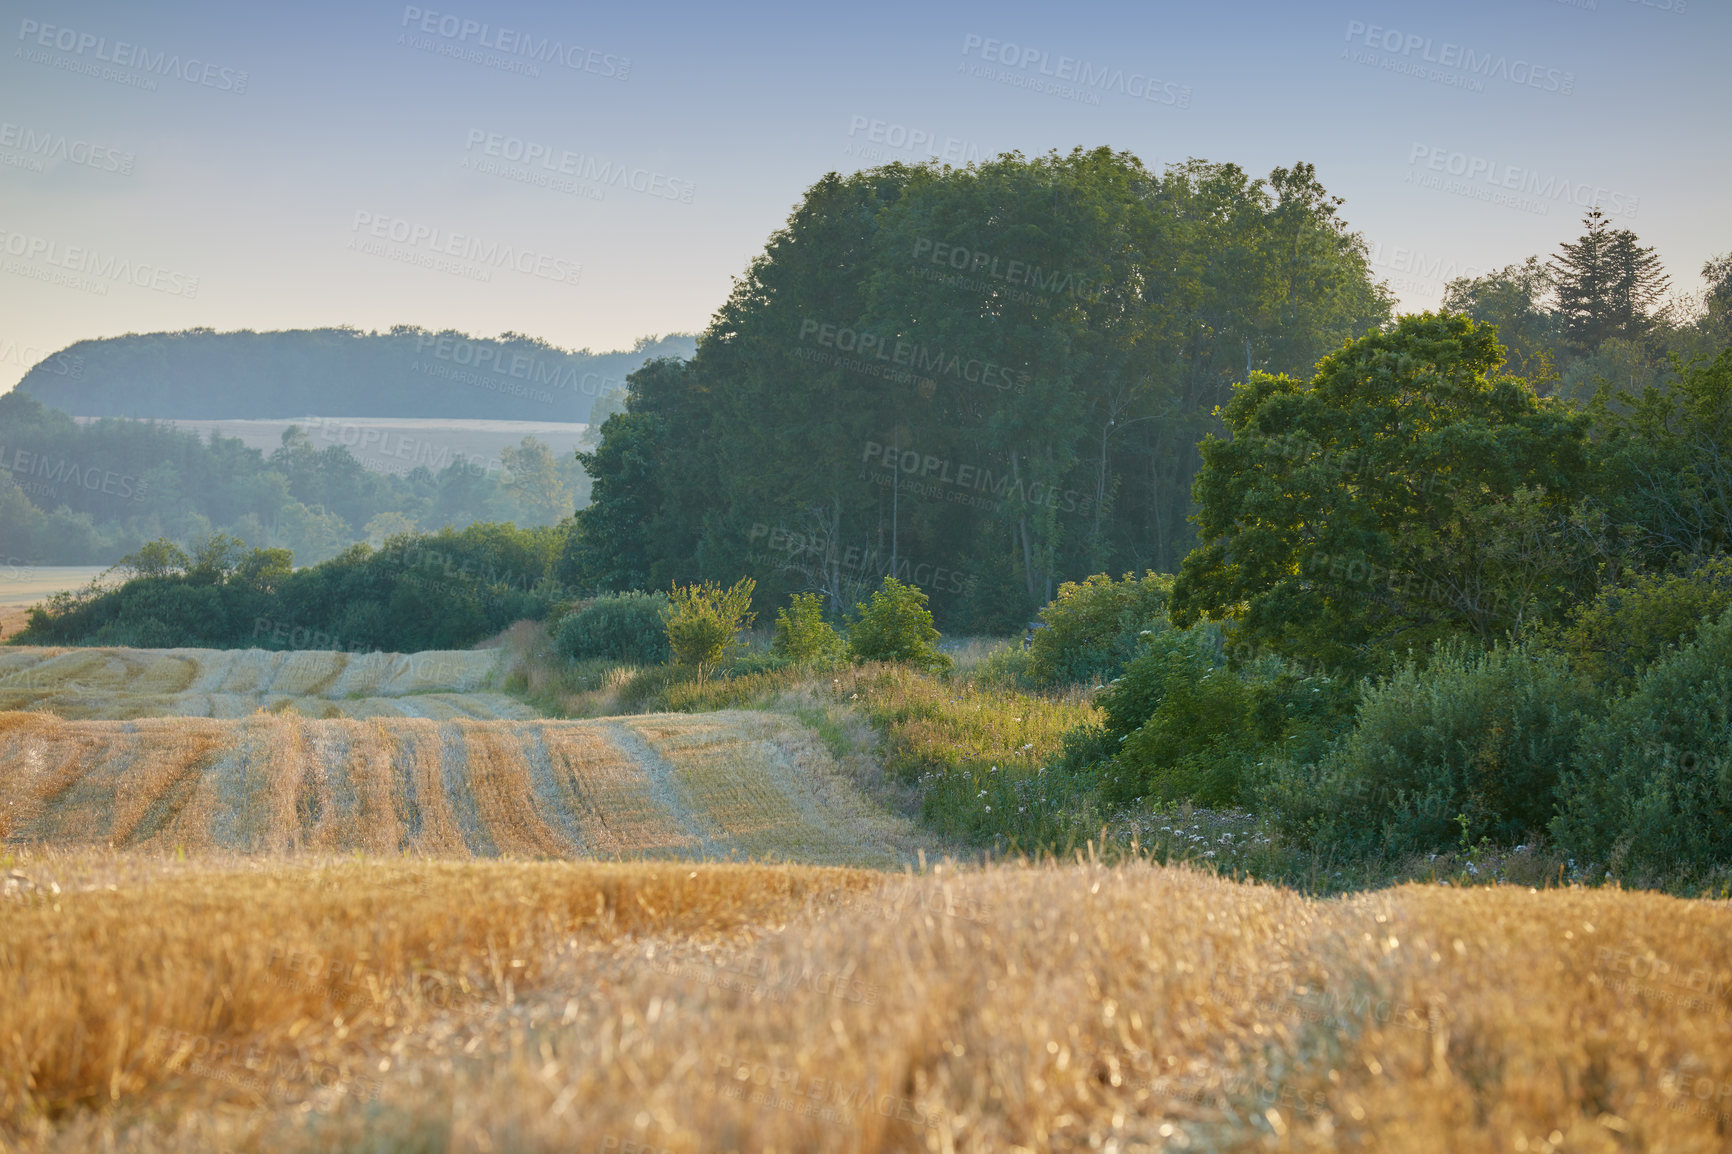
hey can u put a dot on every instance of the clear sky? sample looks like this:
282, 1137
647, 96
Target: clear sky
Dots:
591, 173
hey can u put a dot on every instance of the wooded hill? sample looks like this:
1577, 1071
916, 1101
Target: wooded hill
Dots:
340, 372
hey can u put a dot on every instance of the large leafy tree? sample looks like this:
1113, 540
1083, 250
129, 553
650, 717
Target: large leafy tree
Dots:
1402, 494
982, 381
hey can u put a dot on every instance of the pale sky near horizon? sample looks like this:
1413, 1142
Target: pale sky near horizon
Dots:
243, 165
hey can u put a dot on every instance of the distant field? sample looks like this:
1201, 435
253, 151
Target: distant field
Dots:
24, 585
398, 444
116, 683
710, 786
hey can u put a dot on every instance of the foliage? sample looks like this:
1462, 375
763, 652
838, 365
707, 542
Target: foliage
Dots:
1606, 284
1668, 462
896, 626
1092, 628
858, 408
620, 626
1400, 496
803, 635
703, 620
1632, 623
338, 372
1651, 784
435, 591
1469, 745
157, 558
89, 493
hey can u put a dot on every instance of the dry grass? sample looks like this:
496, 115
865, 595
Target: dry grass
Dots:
118, 684
393, 1005
712, 786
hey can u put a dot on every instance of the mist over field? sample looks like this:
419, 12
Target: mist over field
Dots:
674, 578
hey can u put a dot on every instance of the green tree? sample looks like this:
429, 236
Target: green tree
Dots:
542, 493
896, 626
1371, 509
703, 621
802, 634
1606, 284
159, 558
1513, 300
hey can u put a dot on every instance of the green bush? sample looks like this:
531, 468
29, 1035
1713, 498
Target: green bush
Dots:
802, 634
1634, 623
1480, 735
619, 627
703, 620
1185, 726
1652, 779
1133, 697
896, 626
1198, 744
1093, 627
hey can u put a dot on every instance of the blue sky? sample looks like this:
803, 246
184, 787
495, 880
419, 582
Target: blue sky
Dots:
472, 165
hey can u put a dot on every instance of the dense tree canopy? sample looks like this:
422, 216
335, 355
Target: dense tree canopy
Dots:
981, 381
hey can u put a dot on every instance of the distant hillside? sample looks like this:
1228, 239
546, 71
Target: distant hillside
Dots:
407, 372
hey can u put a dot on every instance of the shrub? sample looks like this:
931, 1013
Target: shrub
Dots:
1653, 773
1197, 745
802, 634
1629, 626
703, 619
1474, 735
1093, 627
619, 627
1133, 697
896, 626
1184, 726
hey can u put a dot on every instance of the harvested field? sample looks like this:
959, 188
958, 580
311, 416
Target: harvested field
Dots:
120, 684
266, 1005
657, 786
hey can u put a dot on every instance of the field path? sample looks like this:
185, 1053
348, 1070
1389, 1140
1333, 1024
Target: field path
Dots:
662, 786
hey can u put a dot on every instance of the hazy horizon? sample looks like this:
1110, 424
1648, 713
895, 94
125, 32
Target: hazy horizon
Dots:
296, 168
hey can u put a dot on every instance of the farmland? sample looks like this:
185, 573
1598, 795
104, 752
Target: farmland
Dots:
327, 923
263, 1005
712, 786
115, 683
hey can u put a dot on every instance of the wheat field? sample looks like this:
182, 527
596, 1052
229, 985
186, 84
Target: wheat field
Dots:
709, 786
242, 1005
119, 684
